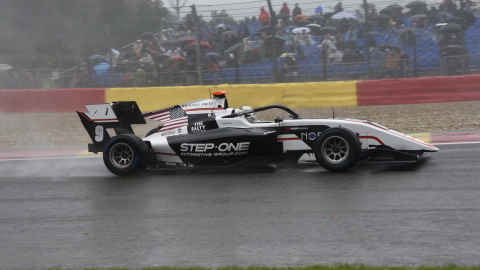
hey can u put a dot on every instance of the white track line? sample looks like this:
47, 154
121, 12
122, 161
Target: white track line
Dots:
47, 158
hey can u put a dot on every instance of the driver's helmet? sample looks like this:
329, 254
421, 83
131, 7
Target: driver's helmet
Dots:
251, 117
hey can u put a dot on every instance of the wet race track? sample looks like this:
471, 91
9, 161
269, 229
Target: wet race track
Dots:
74, 213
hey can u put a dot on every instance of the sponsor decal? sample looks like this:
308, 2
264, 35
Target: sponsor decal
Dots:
179, 130
310, 136
227, 123
211, 149
198, 127
168, 132
197, 104
298, 128
213, 115
287, 129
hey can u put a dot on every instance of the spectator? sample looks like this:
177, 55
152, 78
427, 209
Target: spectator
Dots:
327, 41
341, 44
347, 57
377, 55
404, 64
285, 9
334, 56
310, 48
359, 15
392, 64
137, 48
289, 69
264, 17
352, 44
212, 66
296, 11
358, 57
338, 8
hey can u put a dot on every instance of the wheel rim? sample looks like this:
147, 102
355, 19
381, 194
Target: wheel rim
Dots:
335, 150
121, 155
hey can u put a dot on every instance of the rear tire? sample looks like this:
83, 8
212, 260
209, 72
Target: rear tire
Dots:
337, 149
125, 154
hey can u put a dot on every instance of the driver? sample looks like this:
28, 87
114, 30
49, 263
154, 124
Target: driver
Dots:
251, 117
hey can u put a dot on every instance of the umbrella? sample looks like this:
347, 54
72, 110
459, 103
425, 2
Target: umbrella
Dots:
381, 17
300, 30
162, 57
278, 40
417, 17
264, 29
4, 67
468, 18
283, 16
451, 28
394, 7
316, 18
177, 59
214, 55
203, 45
300, 17
322, 9
314, 25
229, 33
301, 23
440, 24
383, 46
328, 15
443, 14
452, 20
386, 11
369, 5
327, 30
405, 30
222, 25
451, 50
290, 27
415, 4
343, 14
100, 58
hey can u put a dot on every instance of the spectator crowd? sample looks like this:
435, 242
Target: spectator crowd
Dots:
330, 36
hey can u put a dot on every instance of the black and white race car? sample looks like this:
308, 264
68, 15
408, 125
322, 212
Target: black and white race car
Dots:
207, 133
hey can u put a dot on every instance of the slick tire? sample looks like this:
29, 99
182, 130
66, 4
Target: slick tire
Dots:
124, 154
337, 149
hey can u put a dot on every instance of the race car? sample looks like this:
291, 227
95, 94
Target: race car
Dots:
207, 133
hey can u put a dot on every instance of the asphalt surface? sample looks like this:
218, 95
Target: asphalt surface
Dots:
73, 213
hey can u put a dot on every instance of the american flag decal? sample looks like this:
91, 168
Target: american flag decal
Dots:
173, 118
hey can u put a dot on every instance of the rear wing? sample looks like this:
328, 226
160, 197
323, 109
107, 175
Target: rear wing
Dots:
118, 116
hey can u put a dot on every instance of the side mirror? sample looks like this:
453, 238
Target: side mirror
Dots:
278, 119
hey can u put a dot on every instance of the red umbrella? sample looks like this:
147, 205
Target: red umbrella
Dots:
187, 39
177, 59
300, 17
203, 45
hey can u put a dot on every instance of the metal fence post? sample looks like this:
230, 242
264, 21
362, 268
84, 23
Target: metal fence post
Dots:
367, 37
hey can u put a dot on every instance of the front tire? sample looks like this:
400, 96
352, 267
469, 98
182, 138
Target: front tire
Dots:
337, 149
125, 154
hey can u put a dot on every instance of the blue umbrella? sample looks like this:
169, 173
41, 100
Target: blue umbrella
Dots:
214, 55
319, 9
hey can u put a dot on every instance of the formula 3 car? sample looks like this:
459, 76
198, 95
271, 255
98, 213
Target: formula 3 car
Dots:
207, 133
